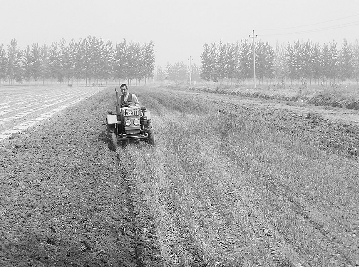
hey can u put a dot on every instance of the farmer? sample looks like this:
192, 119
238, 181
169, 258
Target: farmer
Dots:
126, 97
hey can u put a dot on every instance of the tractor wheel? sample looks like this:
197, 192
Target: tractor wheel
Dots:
114, 141
151, 138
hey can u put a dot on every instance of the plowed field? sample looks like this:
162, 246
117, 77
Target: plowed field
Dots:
230, 182
25, 106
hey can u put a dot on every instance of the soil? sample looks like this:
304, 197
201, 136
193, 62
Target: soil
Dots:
231, 181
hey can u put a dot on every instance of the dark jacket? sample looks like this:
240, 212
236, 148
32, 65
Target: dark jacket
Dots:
132, 98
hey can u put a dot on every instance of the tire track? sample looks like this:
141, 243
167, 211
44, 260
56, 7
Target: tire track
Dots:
141, 227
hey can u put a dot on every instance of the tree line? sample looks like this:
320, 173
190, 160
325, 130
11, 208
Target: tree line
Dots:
91, 59
293, 61
178, 72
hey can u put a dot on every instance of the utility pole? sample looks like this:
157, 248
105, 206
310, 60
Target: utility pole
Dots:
254, 58
190, 71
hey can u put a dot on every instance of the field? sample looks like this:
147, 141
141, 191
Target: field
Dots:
22, 107
231, 181
343, 95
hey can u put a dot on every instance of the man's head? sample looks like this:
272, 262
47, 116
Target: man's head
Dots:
124, 88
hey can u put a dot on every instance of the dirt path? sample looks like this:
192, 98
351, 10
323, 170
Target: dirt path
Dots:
230, 182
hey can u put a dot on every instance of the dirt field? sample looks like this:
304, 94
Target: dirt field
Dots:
231, 181
22, 107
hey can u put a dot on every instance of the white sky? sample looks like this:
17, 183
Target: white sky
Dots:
179, 28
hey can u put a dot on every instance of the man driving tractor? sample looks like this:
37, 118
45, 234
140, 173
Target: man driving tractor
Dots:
126, 97
130, 122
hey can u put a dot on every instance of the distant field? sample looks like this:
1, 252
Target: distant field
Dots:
24, 106
344, 90
343, 95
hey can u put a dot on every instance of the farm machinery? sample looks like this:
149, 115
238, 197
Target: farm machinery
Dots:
130, 122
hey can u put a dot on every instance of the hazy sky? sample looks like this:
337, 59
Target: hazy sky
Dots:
178, 28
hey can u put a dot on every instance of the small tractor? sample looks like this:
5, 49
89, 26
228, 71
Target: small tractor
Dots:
130, 122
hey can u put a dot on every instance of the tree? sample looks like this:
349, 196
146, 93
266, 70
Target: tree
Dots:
355, 60
315, 62
346, 69
11, 53
296, 56
160, 74
264, 60
78, 60
133, 61
3, 63
85, 59
231, 61
237, 62
107, 61
307, 59
210, 69
45, 71
206, 61
280, 66
148, 60
32, 62
120, 62
269, 61
97, 58
325, 62
222, 61
54, 62
36, 61
195, 73
67, 59
260, 54
177, 72
334, 62
246, 60
215, 72
14, 63
28, 62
